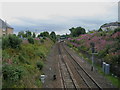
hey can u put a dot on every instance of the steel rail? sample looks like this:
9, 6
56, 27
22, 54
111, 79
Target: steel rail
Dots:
62, 58
99, 87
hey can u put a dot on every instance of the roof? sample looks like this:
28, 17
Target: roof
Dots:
111, 24
4, 24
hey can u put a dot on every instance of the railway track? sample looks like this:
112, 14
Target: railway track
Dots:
66, 75
88, 80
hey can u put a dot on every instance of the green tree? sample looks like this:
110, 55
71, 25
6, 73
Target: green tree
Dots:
21, 33
53, 36
77, 31
28, 34
100, 30
31, 40
11, 41
44, 34
34, 35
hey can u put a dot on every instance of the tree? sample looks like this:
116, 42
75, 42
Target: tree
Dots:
44, 34
77, 31
34, 35
100, 30
53, 36
11, 41
21, 33
28, 34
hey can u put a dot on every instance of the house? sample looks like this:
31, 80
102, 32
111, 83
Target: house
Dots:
5, 28
110, 26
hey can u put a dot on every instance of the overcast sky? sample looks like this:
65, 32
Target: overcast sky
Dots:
58, 16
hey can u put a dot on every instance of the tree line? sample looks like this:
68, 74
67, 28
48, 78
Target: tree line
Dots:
44, 34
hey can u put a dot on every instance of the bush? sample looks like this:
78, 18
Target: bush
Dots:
11, 41
39, 65
82, 48
21, 58
40, 54
31, 40
12, 73
5, 55
117, 30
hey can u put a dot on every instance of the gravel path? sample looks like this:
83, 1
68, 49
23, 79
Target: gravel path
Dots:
51, 67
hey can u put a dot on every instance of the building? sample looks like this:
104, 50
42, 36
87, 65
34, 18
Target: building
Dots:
110, 26
5, 28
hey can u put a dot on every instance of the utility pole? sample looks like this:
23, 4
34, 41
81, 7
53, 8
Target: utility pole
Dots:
93, 51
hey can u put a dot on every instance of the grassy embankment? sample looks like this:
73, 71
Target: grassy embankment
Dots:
107, 46
22, 67
114, 80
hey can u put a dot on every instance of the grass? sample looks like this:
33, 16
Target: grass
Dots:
114, 80
27, 57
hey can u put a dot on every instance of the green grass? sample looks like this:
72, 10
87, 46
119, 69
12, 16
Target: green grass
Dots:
114, 80
27, 57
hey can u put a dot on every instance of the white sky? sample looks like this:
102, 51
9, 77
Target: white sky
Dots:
59, 16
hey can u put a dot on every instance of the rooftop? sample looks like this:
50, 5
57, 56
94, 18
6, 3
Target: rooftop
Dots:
3, 24
111, 24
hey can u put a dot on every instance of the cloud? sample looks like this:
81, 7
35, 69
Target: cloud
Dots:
59, 17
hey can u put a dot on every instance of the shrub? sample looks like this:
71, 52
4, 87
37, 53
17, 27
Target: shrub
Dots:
117, 30
5, 55
11, 41
12, 73
21, 58
39, 65
40, 54
31, 40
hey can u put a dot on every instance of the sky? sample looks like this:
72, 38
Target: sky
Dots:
58, 16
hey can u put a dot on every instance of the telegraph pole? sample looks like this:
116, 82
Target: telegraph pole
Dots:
93, 51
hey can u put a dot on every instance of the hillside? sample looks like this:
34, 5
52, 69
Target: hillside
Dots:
107, 47
22, 64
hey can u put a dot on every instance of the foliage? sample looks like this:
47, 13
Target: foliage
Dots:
44, 34
39, 65
11, 41
34, 35
19, 65
28, 34
100, 30
106, 44
12, 73
77, 31
117, 30
21, 33
40, 54
31, 40
53, 36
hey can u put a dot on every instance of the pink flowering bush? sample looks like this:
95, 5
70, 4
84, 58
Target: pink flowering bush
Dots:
106, 44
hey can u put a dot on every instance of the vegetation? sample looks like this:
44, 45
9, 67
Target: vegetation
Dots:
107, 45
39, 65
23, 60
77, 31
115, 80
30, 40
11, 41
53, 36
34, 35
